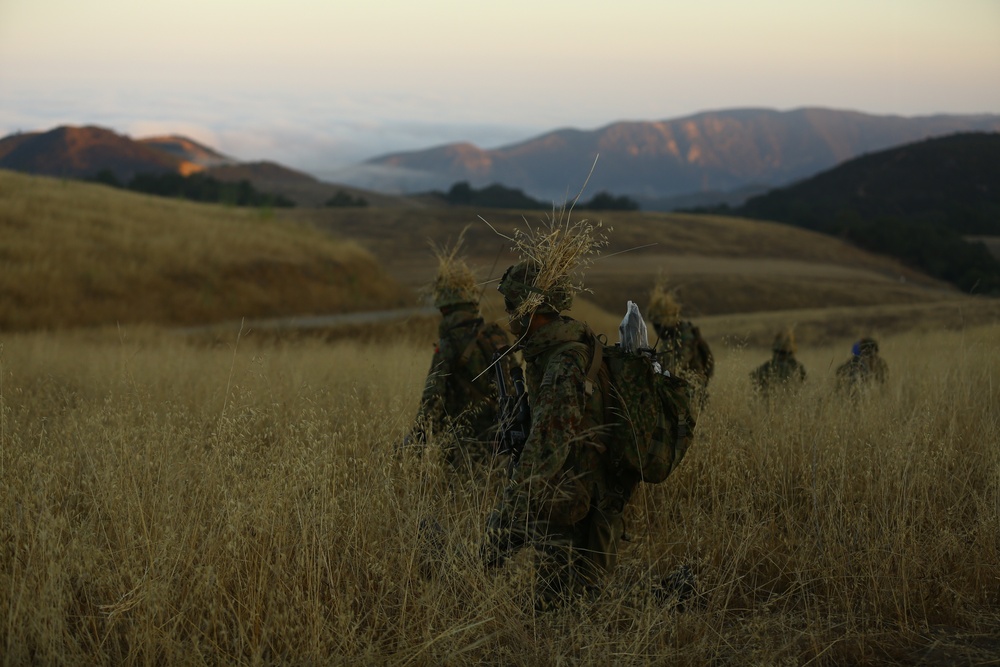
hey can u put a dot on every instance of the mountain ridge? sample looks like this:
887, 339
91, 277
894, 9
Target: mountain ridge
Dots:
652, 160
703, 159
84, 152
70, 151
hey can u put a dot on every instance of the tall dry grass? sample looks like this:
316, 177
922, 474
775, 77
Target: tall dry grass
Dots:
172, 503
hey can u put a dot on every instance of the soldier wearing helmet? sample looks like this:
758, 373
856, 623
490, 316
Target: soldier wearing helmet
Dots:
783, 371
458, 406
680, 347
865, 368
563, 498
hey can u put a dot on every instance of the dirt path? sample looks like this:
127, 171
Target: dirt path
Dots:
313, 321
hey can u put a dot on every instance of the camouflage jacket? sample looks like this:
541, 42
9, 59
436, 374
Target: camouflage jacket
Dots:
460, 392
563, 467
683, 351
783, 370
860, 370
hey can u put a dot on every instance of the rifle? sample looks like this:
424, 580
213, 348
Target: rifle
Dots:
514, 413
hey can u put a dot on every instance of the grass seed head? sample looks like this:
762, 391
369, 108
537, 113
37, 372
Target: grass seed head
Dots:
784, 342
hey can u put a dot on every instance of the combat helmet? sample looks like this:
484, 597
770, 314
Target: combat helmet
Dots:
522, 295
664, 310
784, 342
865, 347
550, 255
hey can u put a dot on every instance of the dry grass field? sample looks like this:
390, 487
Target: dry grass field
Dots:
168, 502
235, 496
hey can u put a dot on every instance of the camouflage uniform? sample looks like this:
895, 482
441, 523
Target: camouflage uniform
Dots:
782, 372
683, 351
459, 397
564, 499
864, 368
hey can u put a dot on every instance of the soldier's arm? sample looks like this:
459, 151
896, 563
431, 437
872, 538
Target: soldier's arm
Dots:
432, 400
556, 418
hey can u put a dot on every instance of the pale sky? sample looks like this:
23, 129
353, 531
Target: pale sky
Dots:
317, 84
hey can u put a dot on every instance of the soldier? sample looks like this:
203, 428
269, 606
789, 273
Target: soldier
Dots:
459, 400
680, 347
564, 498
783, 371
864, 368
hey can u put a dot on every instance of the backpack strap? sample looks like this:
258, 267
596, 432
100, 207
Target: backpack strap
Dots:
476, 339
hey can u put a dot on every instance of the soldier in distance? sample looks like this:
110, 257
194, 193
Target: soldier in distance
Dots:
783, 373
864, 369
680, 347
458, 406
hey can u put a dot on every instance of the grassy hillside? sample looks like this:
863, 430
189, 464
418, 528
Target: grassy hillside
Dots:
76, 254
914, 202
951, 180
720, 265
80, 254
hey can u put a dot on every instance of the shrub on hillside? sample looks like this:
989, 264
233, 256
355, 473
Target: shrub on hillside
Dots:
196, 187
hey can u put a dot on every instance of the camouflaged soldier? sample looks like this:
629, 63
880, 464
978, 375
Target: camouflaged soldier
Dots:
865, 368
563, 500
783, 372
458, 406
680, 347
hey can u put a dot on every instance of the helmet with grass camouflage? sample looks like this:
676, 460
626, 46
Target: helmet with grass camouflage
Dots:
519, 283
664, 310
451, 295
455, 284
784, 342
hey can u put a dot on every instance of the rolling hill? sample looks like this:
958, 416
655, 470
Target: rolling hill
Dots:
721, 266
954, 180
711, 152
188, 149
84, 152
81, 254
914, 202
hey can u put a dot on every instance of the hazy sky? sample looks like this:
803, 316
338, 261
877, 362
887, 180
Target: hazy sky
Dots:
322, 83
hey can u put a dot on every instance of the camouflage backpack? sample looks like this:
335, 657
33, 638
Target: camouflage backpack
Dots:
489, 339
649, 412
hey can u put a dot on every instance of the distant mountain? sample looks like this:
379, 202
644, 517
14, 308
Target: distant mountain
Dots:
188, 149
713, 151
83, 152
915, 202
